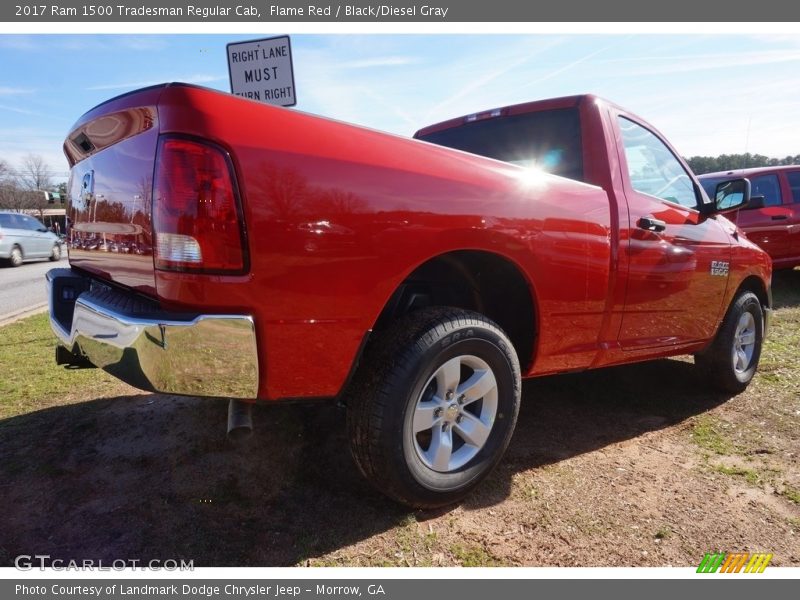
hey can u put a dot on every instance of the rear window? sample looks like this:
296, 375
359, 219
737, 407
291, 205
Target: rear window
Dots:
794, 183
763, 185
549, 140
769, 187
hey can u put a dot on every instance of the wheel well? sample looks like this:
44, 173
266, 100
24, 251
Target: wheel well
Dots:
474, 280
756, 285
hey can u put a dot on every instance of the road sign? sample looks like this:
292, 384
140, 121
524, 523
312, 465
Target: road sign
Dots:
262, 70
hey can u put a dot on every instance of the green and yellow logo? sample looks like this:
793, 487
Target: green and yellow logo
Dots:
734, 562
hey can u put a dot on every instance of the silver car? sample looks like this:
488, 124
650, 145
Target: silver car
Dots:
22, 237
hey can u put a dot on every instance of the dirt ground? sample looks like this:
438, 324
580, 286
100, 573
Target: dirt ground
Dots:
629, 466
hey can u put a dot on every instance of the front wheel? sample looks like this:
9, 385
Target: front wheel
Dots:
730, 362
434, 405
55, 253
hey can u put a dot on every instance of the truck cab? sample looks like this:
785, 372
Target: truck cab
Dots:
672, 250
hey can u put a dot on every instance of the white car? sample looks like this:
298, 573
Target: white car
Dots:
22, 237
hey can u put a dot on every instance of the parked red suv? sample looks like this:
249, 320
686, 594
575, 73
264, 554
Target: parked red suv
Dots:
772, 222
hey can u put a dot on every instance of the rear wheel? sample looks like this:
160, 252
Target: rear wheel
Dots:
732, 359
15, 258
434, 405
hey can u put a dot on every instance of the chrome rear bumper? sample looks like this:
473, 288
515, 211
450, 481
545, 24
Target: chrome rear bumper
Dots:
132, 339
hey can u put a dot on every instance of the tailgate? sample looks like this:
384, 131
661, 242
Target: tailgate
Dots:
111, 150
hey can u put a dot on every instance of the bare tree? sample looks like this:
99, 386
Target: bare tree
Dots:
7, 196
5, 172
34, 173
37, 201
14, 198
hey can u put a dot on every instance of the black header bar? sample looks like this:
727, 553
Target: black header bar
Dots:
396, 11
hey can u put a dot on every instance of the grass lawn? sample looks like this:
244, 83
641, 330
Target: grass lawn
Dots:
31, 380
629, 466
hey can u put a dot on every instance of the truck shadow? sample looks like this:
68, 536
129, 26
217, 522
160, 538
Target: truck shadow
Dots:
786, 288
153, 477
568, 415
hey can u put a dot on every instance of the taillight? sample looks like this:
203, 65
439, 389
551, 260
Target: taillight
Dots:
196, 212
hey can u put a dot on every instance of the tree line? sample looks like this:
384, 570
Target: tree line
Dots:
728, 162
28, 186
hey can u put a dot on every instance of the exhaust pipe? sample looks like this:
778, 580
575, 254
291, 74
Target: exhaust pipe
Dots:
240, 420
71, 360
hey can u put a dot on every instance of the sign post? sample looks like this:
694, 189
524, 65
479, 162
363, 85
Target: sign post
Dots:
262, 70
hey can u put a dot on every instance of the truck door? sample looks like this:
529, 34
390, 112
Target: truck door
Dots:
793, 181
678, 260
768, 227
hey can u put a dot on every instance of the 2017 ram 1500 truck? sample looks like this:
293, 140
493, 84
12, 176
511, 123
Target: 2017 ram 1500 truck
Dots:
220, 247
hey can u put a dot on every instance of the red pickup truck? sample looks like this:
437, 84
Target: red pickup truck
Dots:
772, 219
276, 255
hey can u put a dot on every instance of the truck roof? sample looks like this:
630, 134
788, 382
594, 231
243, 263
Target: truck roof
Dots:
514, 109
749, 171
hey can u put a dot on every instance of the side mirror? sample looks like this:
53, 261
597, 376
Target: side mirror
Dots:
41, 229
729, 196
755, 202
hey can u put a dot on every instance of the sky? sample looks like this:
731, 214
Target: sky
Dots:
708, 94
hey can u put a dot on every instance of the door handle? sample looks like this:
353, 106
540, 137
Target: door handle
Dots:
779, 217
651, 224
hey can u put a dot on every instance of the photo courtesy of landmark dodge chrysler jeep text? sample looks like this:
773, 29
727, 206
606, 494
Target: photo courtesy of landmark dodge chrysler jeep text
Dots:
264, 253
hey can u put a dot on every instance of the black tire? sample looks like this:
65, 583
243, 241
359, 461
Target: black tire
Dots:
718, 362
15, 259
55, 254
397, 377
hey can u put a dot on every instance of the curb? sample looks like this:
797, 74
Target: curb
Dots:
9, 318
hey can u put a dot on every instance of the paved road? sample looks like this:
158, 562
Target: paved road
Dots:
22, 289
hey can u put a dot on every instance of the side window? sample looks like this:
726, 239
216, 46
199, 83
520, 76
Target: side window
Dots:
767, 186
5, 220
794, 183
29, 223
652, 167
13, 221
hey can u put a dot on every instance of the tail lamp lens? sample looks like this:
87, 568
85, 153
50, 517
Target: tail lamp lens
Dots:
196, 213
